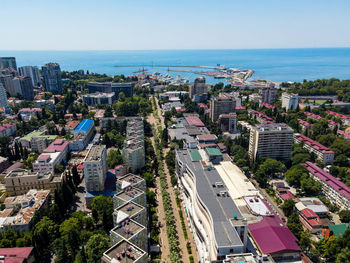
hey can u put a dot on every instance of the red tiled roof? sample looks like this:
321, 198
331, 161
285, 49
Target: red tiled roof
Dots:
57, 145
287, 195
43, 157
343, 134
207, 137
312, 115
18, 254
338, 115
240, 108
194, 121
317, 146
267, 105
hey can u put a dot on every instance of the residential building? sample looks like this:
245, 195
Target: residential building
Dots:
18, 254
314, 204
7, 83
312, 116
82, 135
304, 125
26, 87
198, 90
343, 134
108, 87
255, 97
268, 94
8, 129
134, 150
124, 251
310, 220
228, 122
3, 99
51, 73
95, 168
99, 98
207, 138
32, 72
221, 105
260, 117
28, 113
19, 181
4, 163
172, 94
323, 153
8, 62
71, 126
37, 141
335, 190
19, 210
48, 104
193, 120
273, 140
345, 119
290, 101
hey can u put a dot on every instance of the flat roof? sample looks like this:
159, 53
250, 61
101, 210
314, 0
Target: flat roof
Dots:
194, 121
222, 209
195, 155
130, 178
95, 153
213, 151
130, 209
124, 251
84, 125
127, 228
129, 193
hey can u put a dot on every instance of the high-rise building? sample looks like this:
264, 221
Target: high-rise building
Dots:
26, 87
3, 98
108, 87
6, 81
32, 72
8, 62
221, 105
95, 168
274, 140
290, 101
198, 90
52, 77
228, 122
16, 86
268, 95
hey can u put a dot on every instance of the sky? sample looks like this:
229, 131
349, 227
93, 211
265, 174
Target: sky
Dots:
177, 24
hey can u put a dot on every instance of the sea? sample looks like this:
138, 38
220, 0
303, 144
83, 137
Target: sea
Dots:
269, 64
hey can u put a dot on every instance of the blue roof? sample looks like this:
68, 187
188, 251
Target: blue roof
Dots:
84, 125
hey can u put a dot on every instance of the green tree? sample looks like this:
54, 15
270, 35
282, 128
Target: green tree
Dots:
343, 256
102, 206
295, 174
44, 233
288, 207
344, 216
114, 158
95, 247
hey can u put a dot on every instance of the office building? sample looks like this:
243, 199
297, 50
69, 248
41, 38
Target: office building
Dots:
26, 87
3, 99
198, 90
290, 101
51, 73
335, 190
273, 140
95, 168
109, 87
221, 105
7, 82
8, 62
19, 181
32, 72
323, 153
99, 98
268, 95
228, 122
134, 150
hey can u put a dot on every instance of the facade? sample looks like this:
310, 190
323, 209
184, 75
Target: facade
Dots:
304, 124
108, 87
95, 168
344, 119
8, 129
323, 153
48, 104
26, 87
19, 181
32, 72
290, 101
273, 140
310, 220
52, 77
228, 122
335, 190
134, 149
28, 113
3, 99
198, 90
36, 141
99, 98
7, 82
82, 135
221, 105
8, 62
268, 95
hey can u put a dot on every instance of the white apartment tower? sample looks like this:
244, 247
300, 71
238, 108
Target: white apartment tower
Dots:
290, 101
95, 168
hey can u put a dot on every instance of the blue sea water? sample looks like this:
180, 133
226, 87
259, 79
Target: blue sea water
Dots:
271, 64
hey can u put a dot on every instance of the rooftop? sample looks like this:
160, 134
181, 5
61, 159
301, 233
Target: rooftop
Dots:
84, 125
313, 144
123, 251
95, 153
339, 230
273, 127
128, 210
207, 137
130, 178
57, 146
214, 151
194, 121
17, 254
127, 228
129, 193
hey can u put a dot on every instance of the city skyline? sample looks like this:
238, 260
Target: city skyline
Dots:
154, 25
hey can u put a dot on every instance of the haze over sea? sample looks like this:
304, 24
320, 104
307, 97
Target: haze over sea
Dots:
271, 64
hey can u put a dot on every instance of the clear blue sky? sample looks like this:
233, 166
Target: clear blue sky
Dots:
177, 24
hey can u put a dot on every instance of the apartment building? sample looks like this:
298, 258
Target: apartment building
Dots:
18, 254
304, 124
134, 150
51, 73
82, 135
8, 62
260, 117
290, 101
28, 113
335, 190
108, 87
19, 181
95, 168
8, 129
221, 105
198, 90
32, 72
323, 153
273, 140
3, 99
37, 141
268, 94
228, 122
345, 119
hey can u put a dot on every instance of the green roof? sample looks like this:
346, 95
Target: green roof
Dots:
36, 134
195, 156
338, 230
213, 151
